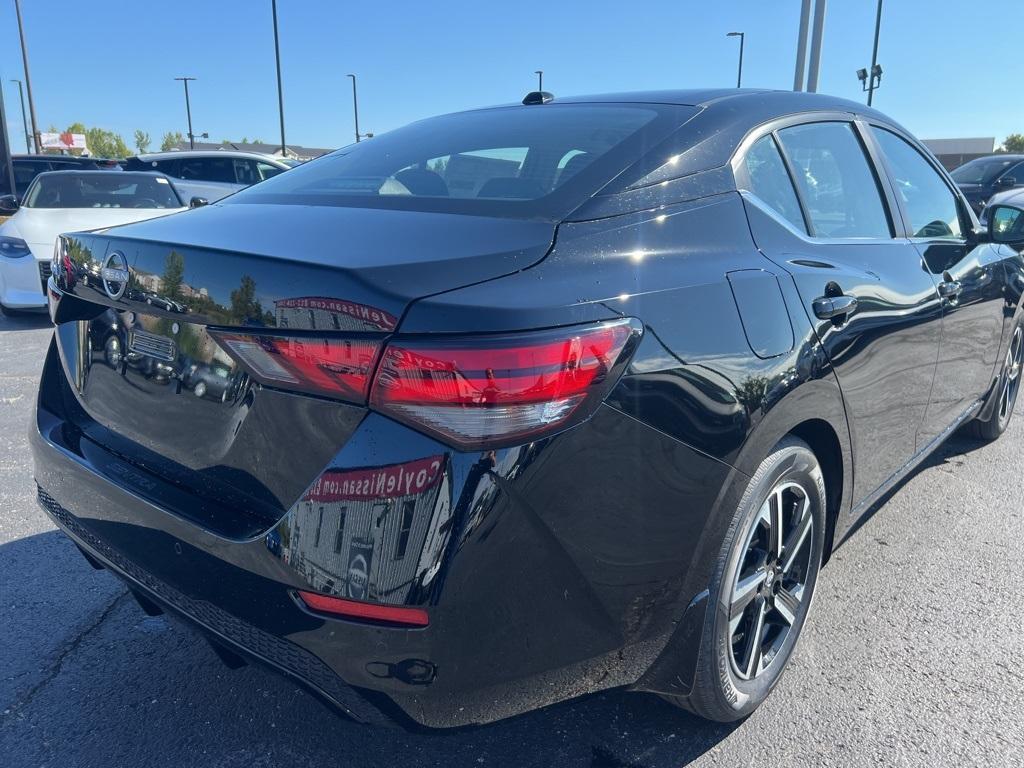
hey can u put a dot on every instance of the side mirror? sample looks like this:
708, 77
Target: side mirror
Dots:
8, 205
1006, 224
198, 202
1006, 182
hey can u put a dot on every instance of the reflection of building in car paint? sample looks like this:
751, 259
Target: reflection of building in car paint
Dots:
372, 533
325, 314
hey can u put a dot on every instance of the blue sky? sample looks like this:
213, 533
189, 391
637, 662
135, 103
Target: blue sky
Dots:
111, 64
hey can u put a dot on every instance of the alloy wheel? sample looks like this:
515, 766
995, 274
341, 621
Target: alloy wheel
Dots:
771, 579
1012, 379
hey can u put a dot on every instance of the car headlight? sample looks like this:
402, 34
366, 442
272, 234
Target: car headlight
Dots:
13, 247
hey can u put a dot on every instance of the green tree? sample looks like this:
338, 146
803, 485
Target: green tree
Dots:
171, 140
1014, 143
104, 143
244, 305
142, 141
174, 274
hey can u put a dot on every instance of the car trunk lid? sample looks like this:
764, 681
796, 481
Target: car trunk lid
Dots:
203, 347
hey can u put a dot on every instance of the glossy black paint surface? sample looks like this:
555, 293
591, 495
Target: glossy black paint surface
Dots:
550, 569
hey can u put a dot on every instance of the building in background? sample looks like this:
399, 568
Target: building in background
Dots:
953, 153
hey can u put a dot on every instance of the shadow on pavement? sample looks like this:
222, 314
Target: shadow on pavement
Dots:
123, 688
25, 321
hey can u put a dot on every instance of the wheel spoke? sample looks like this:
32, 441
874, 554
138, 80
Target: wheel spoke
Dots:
797, 537
787, 604
744, 594
752, 652
775, 524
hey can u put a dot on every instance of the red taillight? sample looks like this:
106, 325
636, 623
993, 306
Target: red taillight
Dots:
332, 367
488, 391
354, 609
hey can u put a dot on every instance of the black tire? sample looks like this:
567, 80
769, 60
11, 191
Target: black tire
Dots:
1006, 392
721, 691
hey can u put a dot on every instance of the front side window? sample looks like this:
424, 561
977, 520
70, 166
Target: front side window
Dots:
768, 179
1016, 173
266, 170
929, 204
836, 182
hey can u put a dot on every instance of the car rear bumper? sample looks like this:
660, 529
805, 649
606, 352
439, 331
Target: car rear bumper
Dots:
554, 576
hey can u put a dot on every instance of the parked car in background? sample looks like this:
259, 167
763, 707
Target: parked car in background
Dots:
27, 167
1013, 197
211, 175
535, 400
70, 201
981, 178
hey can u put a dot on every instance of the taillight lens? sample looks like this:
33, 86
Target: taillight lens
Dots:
333, 367
490, 391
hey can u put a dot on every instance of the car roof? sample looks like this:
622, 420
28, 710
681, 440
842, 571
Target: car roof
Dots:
178, 154
998, 156
64, 158
785, 102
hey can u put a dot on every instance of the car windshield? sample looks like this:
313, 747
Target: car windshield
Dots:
980, 171
540, 160
101, 189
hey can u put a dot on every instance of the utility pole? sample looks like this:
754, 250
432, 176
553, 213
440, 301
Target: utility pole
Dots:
739, 74
280, 92
540, 78
801, 45
24, 120
28, 78
817, 34
5, 151
876, 71
188, 112
355, 107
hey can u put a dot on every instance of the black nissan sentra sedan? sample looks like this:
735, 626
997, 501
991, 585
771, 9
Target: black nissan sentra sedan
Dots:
527, 402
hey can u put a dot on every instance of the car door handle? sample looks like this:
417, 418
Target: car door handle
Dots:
835, 307
950, 289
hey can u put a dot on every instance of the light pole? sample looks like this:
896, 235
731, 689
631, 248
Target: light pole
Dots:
739, 74
876, 69
355, 111
6, 165
540, 78
28, 79
188, 112
280, 92
24, 120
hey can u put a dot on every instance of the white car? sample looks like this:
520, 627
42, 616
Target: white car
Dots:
211, 174
70, 201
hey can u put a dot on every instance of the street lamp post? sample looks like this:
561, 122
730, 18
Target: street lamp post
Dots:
739, 74
188, 112
540, 79
355, 111
24, 120
876, 70
28, 79
280, 92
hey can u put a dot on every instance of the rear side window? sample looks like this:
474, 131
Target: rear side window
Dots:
768, 179
929, 204
513, 161
836, 183
209, 169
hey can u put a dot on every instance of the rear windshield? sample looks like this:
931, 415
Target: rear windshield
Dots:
541, 160
981, 171
101, 189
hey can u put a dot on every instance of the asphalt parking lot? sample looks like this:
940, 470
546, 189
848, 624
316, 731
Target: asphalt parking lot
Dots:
914, 654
